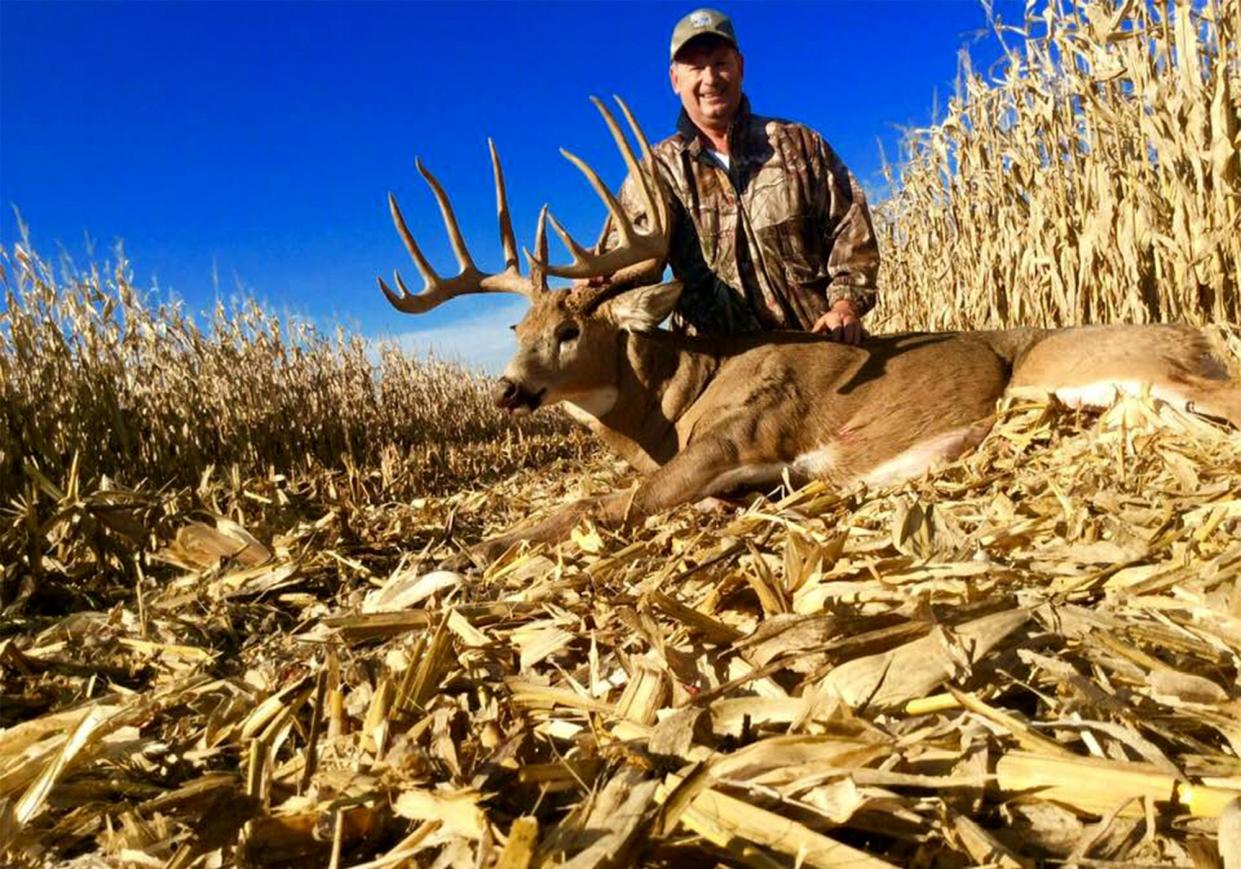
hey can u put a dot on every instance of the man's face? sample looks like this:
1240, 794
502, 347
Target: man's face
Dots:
706, 75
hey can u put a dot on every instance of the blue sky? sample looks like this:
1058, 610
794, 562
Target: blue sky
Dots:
256, 142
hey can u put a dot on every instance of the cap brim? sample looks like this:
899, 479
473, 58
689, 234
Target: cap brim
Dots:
676, 49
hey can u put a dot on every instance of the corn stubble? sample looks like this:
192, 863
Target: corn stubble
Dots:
224, 639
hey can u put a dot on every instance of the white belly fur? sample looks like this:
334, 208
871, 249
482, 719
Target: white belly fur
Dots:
925, 455
818, 464
824, 462
1102, 393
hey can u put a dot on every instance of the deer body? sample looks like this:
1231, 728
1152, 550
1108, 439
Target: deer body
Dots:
705, 416
792, 403
757, 408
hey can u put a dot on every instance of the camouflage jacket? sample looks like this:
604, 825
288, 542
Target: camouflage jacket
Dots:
770, 243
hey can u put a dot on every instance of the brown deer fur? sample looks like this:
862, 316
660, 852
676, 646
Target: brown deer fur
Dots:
701, 417
705, 416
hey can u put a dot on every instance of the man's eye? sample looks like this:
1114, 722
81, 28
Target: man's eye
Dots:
568, 333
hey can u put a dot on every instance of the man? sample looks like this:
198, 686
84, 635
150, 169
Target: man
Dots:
771, 231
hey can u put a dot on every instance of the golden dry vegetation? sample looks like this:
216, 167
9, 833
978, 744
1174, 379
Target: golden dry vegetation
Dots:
94, 373
224, 639
1095, 181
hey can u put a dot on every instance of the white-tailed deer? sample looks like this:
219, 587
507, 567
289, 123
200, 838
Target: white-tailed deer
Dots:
705, 416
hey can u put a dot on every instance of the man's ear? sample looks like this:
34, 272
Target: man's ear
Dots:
643, 308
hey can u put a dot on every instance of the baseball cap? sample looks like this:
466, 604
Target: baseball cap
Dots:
702, 22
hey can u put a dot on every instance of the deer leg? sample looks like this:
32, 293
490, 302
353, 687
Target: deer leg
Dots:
709, 467
555, 527
705, 468
1090, 366
1221, 400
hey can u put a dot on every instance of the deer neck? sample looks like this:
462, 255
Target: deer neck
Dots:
658, 378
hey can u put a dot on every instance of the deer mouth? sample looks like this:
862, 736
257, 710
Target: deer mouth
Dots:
516, 399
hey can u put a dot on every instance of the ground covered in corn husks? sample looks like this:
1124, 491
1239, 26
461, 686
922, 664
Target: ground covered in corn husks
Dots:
1029, 657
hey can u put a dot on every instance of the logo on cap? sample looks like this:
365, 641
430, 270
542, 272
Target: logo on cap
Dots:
700, 19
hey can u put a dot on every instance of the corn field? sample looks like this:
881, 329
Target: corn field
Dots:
1096, 181
93, 374
226, 639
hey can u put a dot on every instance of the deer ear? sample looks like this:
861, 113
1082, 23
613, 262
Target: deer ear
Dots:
644, 308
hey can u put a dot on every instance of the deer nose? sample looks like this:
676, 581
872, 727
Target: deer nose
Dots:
506, 393
514, 397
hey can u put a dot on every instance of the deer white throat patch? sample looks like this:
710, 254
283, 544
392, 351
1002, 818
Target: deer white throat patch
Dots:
588, 407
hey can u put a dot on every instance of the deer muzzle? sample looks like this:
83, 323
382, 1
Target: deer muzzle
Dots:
511, 396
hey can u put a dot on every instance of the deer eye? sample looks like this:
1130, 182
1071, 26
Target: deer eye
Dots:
568, 333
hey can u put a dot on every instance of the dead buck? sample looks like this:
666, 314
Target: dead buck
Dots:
704, 416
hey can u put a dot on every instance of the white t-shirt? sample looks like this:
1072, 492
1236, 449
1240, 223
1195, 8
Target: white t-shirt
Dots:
723, 158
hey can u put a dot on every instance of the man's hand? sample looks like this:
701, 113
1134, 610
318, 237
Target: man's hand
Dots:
841, 323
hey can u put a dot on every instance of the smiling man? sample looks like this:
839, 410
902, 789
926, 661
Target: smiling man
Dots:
771, 229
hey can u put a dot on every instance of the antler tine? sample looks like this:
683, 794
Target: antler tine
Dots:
648, 157
638, 252
507, 239
633, 125
397, 301
631, 161
407, 301
400, 284
450, 220
579, 253
623, 223
538, 262
415, 252
437, 290
540, 239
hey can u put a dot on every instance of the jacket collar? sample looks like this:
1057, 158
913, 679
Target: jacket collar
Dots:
691, 138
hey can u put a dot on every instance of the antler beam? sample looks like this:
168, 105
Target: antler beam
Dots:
437, 290
638, 252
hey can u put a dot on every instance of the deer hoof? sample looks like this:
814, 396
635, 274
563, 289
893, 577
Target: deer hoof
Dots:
458, 563
480, 555
711, 506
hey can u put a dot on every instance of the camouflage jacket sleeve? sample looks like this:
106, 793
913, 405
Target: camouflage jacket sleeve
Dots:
853, 260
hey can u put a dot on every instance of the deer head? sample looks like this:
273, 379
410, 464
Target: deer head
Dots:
569, 348
567, 343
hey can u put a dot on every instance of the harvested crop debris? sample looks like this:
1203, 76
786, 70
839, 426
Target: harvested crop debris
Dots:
1029, 655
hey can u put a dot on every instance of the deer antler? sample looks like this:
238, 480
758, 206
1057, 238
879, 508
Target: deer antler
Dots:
638, 252
438, 290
